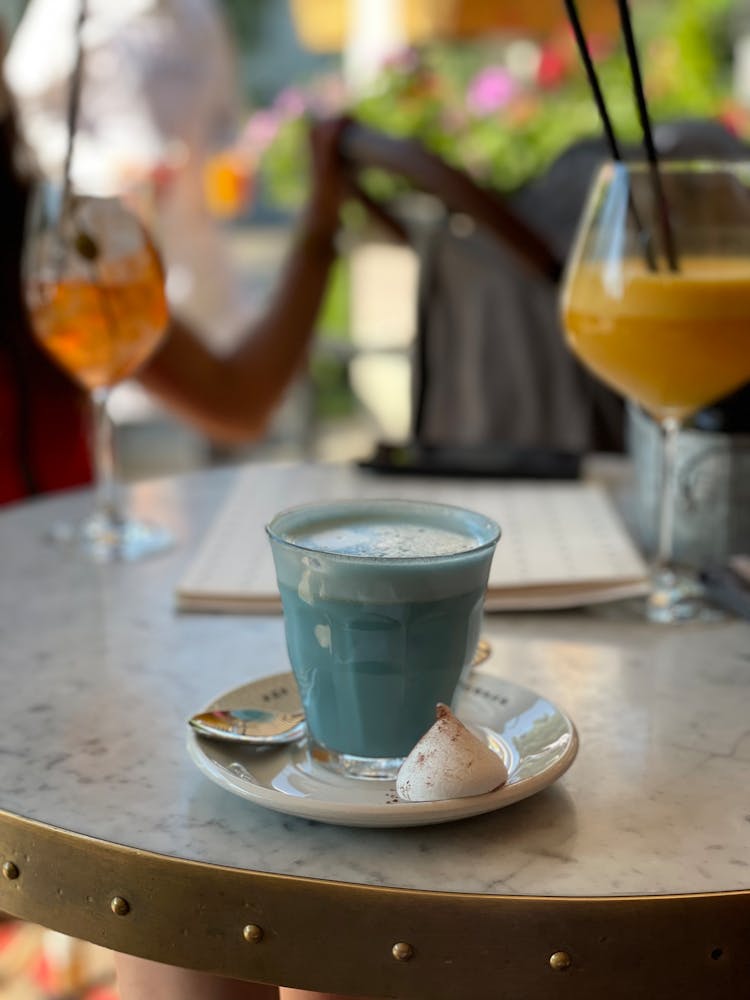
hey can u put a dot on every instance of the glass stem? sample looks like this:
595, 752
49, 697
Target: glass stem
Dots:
670, 429
107, 506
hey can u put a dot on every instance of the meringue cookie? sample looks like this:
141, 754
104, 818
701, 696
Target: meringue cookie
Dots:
449, 762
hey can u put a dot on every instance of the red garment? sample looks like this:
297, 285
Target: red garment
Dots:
43, 429
43, 419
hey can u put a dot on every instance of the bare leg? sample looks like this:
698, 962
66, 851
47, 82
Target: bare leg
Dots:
139, 979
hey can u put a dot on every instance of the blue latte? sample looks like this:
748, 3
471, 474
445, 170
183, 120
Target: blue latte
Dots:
382, 608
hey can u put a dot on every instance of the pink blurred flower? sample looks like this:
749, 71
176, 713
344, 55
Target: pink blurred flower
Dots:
290, 102
491, 89
261, 130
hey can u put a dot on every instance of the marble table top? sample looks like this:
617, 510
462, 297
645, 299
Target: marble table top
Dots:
93, 656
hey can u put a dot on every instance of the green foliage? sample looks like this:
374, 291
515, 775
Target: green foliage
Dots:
333, 394
472, 105
334, 314
285, 165
329, 368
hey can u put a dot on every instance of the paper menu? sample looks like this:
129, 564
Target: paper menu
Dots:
562, 544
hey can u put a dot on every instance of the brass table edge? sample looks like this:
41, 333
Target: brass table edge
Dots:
364, 939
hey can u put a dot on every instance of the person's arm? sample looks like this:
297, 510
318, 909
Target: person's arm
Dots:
232, 397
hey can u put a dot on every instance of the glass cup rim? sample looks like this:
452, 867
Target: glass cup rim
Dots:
274, 535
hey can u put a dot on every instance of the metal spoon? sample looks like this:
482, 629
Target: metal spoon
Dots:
257, 726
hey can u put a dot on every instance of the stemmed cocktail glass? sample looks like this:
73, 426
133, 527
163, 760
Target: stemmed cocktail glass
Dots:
95, 292
670, 331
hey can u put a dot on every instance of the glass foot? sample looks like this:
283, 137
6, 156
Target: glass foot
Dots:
352, 766
678, 597
106, 540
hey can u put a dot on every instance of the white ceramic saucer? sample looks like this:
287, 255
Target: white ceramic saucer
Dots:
536, 740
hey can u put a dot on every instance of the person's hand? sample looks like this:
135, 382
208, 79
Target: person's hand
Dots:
329, 182
333, 181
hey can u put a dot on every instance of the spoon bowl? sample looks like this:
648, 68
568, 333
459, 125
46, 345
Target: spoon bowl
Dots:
255, 726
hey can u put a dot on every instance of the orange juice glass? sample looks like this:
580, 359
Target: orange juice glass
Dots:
670, 335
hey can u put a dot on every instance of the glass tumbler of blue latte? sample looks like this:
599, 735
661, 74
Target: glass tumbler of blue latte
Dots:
382, 605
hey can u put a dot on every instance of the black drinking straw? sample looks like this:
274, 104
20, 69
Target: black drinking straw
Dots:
648, 138
74, 101
614, 147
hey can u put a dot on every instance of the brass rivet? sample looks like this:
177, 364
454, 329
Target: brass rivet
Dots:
560, 961
402, 951
10, 870
252, 933
119, 906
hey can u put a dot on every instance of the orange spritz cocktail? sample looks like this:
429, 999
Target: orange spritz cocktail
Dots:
95, 293
671, 341
101, 326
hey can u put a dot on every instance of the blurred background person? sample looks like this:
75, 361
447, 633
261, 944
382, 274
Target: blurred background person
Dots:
229, 395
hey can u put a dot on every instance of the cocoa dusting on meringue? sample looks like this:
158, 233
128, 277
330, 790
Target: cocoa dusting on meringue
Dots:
449, 762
